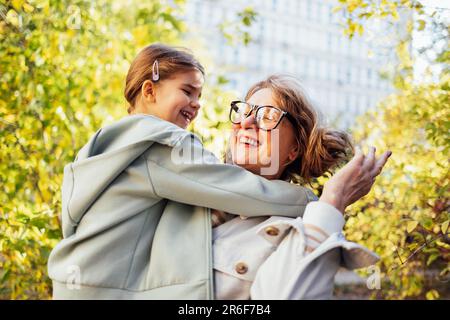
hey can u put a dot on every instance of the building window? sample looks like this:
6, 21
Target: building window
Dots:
324, 73
357, 75
329, 41
355, 103
312, 68
339, 75
318, 12
236, 56
309, 10
334, 72
262, 28
369, 77
330, 13
306, 67
327, 70
197, 11
268, 61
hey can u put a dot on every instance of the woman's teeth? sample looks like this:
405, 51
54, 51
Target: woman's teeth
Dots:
249, 141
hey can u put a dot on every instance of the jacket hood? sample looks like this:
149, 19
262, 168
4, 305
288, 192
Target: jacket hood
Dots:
110, 151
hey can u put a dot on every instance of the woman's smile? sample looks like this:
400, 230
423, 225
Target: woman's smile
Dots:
247, 141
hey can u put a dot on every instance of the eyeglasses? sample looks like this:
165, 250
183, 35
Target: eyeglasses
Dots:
266, 117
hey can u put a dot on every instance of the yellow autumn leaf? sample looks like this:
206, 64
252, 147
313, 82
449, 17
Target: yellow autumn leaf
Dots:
13, 18
432, 295
28, 8
411, 225
17, 4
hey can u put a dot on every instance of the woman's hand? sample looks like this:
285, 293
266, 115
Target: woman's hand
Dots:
354, 180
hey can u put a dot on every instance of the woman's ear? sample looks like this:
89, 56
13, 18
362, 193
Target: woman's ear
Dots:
293, 153
148, 91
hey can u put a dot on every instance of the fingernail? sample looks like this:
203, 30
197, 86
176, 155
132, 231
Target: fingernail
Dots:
389, 153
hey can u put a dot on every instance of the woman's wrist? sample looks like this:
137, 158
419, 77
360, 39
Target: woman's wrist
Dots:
334, 201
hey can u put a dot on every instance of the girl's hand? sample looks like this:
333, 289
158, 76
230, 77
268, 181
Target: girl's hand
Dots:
354, 180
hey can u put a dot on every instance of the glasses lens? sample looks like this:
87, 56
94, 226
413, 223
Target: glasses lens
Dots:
239, 110
267, 117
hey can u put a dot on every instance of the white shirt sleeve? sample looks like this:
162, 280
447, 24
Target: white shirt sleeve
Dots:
321, 220
324, 216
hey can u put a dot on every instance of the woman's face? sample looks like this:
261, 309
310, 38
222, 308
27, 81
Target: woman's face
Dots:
175, 99
265, 153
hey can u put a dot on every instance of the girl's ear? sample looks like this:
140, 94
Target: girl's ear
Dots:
148, 91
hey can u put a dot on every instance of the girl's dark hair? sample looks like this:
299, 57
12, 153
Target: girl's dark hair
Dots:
171, 60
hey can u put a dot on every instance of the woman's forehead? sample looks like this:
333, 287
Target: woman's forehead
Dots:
262, 97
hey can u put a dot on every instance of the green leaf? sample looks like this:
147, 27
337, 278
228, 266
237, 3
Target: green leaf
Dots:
427, 223
432, 258
39, 222
4, 275
444, 226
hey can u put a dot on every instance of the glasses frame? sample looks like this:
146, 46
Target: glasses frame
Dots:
255, 108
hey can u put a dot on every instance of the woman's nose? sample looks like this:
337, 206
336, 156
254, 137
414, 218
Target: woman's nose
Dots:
249, 122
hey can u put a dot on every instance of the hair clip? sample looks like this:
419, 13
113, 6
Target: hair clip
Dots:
155, 71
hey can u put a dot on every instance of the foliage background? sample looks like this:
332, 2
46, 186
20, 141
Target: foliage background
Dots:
62, 69
405, 218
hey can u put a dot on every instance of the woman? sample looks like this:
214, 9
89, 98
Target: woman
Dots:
276, 135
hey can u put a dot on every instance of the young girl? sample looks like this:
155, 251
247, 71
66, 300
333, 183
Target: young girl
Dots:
136, 223
280, 257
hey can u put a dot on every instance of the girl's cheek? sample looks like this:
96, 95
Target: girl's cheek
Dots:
187, 100
181, 100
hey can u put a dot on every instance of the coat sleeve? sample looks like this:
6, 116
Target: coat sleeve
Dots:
292, 272
204, 181
288, 275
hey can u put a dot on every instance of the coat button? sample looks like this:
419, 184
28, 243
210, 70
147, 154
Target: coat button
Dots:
272, 231
241, 268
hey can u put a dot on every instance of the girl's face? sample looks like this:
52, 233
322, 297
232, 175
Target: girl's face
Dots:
255, 149
175, 99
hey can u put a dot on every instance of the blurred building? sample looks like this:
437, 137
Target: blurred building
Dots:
303, 38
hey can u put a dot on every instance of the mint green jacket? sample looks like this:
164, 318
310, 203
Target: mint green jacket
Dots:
135, 213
